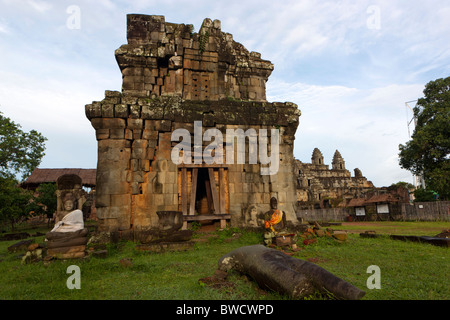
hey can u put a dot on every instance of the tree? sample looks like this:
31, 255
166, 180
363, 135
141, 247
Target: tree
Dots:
20, 152
402, 184
45, 202
427, 153
14, 201
424, 195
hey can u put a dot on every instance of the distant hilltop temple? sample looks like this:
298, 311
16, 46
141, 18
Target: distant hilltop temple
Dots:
318, 186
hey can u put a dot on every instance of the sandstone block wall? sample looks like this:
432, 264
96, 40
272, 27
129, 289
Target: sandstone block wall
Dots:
136, 176
166, 58
173, 77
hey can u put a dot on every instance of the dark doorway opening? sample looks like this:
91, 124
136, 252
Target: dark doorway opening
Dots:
203, 201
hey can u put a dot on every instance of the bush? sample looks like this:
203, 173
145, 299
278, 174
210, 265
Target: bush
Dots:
14, 202
424, 195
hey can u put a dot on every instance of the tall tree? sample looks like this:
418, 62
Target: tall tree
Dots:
14, 202
45, 202
428, 151
20, 152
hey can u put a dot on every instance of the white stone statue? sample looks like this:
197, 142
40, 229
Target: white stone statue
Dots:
73, 220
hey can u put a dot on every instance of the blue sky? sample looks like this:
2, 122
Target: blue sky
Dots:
350, 66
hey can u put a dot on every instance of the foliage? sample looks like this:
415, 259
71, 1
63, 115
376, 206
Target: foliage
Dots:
45, 202
402, 184
428, 151
204, 36
20, 152
14, 201
424, 195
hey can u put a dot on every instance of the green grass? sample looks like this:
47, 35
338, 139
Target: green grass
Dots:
408, 270
418, 228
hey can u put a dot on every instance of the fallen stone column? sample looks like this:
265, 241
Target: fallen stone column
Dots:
276, 271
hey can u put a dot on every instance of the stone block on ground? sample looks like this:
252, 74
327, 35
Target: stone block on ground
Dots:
340, 235
67, 245
100, 253
72, 255
15, 236
61, 243
33, 246
34, 255
369, 234
283, 241
319, 232
56, 251
20, 246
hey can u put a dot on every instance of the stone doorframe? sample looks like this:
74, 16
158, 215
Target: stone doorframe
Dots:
218, 191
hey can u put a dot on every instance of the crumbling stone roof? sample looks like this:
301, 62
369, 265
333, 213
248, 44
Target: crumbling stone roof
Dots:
164, 58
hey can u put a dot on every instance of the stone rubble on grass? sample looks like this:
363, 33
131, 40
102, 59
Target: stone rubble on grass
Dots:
67, 245
36, 252
20, 246
310, 234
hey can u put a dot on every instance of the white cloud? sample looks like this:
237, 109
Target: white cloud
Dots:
40, 6
349, 81
365, 125
55, 109
3, 28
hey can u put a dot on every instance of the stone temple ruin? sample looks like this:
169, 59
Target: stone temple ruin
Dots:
318, 186
174, 78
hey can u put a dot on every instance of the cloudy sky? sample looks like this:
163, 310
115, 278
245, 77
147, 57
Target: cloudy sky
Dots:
350, 66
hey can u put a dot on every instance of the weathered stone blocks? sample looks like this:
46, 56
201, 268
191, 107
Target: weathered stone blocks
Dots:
207, 65
140, 165
173, 77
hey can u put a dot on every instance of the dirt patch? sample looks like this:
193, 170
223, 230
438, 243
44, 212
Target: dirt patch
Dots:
358, 223
207, 228
204, 233
316, 260
217, 281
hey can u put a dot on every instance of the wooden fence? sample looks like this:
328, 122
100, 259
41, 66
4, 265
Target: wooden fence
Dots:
329, 214
418, 211
427, 211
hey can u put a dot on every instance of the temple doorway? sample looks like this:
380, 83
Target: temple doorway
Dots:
203, 193
203, 198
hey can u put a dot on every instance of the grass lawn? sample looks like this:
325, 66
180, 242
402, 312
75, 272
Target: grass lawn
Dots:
408, 270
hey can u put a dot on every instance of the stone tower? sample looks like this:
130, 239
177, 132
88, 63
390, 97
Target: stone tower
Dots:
170, 59
338, 162
317, 157
178, 83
